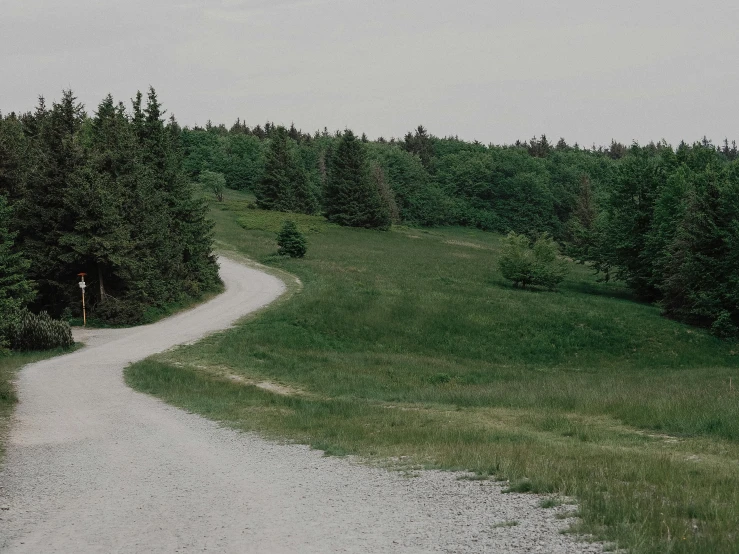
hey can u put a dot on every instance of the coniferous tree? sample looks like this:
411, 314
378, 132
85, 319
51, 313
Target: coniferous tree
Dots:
15, 289
419, 143
15, 158
581, 233
107, 196
302, 198
43, 216
273, 192
290, 241
350, 198
630, 211
285, 185
701, 284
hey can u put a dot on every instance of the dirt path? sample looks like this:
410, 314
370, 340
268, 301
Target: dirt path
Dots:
94, 467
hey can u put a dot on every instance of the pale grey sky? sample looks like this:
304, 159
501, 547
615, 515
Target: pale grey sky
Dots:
488, 70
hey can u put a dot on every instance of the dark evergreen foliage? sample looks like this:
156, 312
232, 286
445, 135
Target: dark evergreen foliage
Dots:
107, 195
15, 289
350, 198
111, 195
41, 332
290, 241
284, 185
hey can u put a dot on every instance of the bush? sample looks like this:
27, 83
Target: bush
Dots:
214, 182
291, 242
538, 264
119, 312
724, 326
41, 332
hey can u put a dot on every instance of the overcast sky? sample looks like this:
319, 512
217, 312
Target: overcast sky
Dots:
481, 69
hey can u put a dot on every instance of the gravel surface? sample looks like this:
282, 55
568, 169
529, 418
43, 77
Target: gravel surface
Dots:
93, 466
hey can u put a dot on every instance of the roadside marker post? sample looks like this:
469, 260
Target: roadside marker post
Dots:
83, 286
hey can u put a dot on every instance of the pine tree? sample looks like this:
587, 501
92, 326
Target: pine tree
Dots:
629, 215
581, 234
284, 186
419, 143
701, 281
350, 197
108, 196
273, 191
15, 158
15, 289
43, 217
290, 241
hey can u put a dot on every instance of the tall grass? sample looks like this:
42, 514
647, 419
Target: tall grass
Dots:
410, 343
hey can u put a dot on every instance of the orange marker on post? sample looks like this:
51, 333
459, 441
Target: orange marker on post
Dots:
82, 288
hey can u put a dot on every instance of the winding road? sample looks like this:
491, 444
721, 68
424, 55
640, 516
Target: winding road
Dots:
93, 466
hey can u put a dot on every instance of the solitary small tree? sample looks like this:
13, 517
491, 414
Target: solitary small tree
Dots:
538, 264
215, 182
291, 241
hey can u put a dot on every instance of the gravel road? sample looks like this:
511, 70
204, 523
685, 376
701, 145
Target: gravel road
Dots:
93, 466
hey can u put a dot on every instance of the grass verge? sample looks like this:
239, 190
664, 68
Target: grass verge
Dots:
410, 344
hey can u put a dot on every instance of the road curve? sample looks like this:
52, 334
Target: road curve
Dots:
93, 466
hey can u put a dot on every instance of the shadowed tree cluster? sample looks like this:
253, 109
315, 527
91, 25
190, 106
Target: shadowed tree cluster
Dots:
105, 195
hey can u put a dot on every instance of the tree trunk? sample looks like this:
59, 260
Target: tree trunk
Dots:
102, 286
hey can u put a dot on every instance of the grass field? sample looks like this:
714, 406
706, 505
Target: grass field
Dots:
409, 343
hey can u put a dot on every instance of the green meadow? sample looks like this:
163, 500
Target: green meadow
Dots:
408, 347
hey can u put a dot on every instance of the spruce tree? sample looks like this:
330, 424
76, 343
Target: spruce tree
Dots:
419, 143
285, 185
15, 289
290, 241
273, 191
350, 197
43, 216
701, 281
109, 196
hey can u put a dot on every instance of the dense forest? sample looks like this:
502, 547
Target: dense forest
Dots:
113, 195
105, 195
664, 220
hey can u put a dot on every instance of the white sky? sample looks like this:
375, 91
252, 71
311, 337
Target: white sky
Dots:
489, 70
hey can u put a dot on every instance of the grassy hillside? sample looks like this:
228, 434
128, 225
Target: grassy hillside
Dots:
409, 343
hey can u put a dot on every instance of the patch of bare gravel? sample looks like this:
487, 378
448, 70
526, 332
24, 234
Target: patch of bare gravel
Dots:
93, 466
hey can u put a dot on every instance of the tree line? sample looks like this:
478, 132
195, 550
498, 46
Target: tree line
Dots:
103, 194
661, 219
111, 195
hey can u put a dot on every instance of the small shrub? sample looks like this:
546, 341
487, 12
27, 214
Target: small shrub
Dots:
724, 326
119, 312
538, 264
290, 241
522, 485
41, 332
440, 379
550, 502
214, 182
